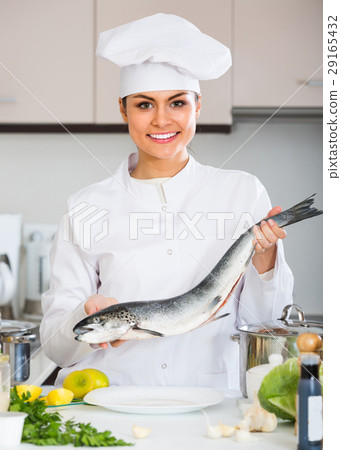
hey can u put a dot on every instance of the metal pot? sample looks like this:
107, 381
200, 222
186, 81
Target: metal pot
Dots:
259, 341
15, 341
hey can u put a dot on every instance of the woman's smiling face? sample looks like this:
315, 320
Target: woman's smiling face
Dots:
161, 123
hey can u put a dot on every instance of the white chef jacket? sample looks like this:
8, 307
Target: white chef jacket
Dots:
146, 249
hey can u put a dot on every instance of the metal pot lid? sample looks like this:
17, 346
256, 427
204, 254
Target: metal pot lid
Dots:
285, 326
15, 327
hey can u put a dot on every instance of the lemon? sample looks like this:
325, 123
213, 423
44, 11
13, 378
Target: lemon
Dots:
99, 378
59, 397
44, 399
78, 382
35, 391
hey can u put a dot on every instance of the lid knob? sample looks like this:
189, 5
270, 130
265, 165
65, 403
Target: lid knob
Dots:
309, 343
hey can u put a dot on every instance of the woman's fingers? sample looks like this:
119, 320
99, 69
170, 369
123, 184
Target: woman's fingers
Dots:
94, 304
275, 210
267, 235
280, 233
90, 309
261, 243
97, 302
271, 232
257, 247
117, 343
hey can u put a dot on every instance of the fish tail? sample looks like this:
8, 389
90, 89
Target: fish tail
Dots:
301, 211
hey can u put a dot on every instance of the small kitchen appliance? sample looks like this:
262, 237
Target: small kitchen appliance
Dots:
37, 243
10, 243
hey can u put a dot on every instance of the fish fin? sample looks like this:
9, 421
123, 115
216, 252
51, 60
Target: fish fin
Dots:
213, 319
215, 302
222, 316
219, 317
152, 332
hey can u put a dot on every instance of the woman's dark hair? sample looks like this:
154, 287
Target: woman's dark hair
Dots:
124, 99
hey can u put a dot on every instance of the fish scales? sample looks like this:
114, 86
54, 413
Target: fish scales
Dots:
185, 312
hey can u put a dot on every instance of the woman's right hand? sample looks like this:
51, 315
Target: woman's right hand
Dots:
94, 304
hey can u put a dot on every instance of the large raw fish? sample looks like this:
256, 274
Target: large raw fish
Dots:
185, 312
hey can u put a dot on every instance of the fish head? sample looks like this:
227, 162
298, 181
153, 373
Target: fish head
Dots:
99, 328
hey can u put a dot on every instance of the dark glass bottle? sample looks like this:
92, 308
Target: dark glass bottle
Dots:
309, 405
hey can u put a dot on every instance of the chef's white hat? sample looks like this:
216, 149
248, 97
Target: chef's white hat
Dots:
163, 52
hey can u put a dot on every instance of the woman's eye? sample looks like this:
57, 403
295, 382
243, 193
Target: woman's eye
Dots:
145, 105
178, 103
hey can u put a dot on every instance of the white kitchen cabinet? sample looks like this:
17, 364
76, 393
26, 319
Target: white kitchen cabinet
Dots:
213, 18
46, 71
49, 72
277, 46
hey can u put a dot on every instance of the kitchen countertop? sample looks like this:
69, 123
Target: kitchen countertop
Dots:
179, 431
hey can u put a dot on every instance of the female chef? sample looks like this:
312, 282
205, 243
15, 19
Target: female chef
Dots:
167, 220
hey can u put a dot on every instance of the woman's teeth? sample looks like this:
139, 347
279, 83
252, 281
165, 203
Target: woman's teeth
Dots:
162, 136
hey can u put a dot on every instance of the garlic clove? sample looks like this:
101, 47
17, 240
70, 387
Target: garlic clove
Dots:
269, 424
242, 435
258, 419
140, 432
214, 432
226, 430
243, 425
255, 419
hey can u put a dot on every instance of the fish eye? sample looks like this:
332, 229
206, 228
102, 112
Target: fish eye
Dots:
97, 320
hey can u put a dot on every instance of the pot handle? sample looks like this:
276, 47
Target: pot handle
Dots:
235, 338
286, 314
21, 339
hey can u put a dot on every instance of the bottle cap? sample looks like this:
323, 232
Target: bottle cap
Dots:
309, 343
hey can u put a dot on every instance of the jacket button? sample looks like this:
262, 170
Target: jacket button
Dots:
164, 208
169, 251
164, 366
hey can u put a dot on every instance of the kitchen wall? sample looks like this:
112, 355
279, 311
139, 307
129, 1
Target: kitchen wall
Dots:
39, 171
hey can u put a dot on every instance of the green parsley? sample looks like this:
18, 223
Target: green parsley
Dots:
43, 428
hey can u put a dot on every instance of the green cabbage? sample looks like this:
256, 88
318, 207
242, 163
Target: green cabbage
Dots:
277, 393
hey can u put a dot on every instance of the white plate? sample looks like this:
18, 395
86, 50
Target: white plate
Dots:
154, 399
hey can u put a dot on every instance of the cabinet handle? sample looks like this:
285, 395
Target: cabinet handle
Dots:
8, 100
315, 83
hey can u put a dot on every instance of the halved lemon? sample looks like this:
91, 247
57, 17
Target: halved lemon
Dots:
59, 396
35, 391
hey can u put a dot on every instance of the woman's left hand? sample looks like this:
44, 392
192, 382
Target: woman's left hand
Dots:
266, 237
